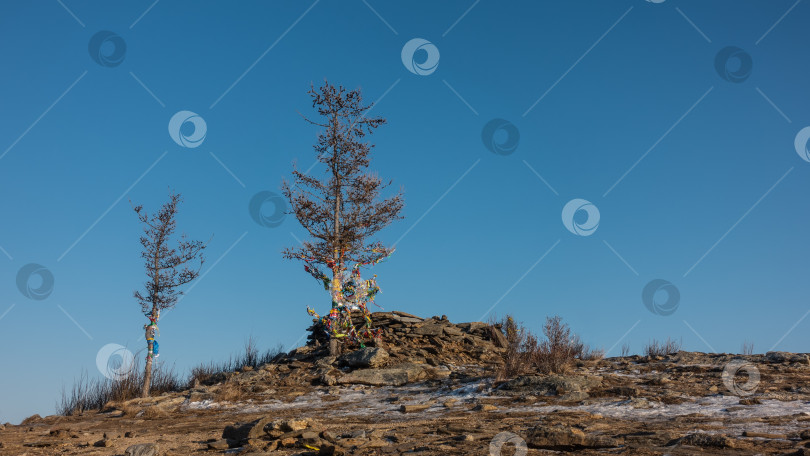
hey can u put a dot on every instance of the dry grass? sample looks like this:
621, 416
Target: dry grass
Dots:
129, 410
524, 353
230, 391
625, 349
656, 348
561, 348
591, 354
94, 394
250, 358
515, 355
153, 412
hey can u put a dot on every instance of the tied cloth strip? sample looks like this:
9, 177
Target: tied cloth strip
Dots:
354, 294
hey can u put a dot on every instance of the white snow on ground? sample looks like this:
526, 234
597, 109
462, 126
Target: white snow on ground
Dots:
202, 405
363, 400
711, 406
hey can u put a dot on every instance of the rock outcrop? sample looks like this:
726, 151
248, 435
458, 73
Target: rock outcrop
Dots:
429, 388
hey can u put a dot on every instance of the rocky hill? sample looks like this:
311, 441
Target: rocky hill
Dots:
429, 390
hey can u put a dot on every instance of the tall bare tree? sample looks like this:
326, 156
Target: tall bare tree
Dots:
168, 264
342, 210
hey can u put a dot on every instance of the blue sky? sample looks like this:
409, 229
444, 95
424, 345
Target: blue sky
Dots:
694, 173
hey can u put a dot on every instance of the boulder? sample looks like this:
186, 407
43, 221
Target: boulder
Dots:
707, 440
391, 376
292, 425
406, 320
31, 420
485, 408
498, 338
142, 449
221, 444
366, 357
243, 431
376, 377
565, 438
575, 396
786, 357
551, 384
472, 326
410, 408
331, 450
407, 315
429, 329
628, 391
310, 438
59, 434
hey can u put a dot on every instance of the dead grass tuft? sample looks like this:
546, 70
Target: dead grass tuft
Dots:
230, 391
524, 353
656, 348
94, 394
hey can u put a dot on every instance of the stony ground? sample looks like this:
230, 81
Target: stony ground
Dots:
430, 391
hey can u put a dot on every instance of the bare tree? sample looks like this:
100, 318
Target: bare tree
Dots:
342, 210
168, 267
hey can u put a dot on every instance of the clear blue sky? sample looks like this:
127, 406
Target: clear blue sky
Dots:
717, 205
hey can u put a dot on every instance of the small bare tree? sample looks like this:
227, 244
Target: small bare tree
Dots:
559, 348
341, 211
747, 348
168, 267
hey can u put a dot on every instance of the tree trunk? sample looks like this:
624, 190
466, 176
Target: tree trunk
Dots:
333, 347
147, 374
337, 286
